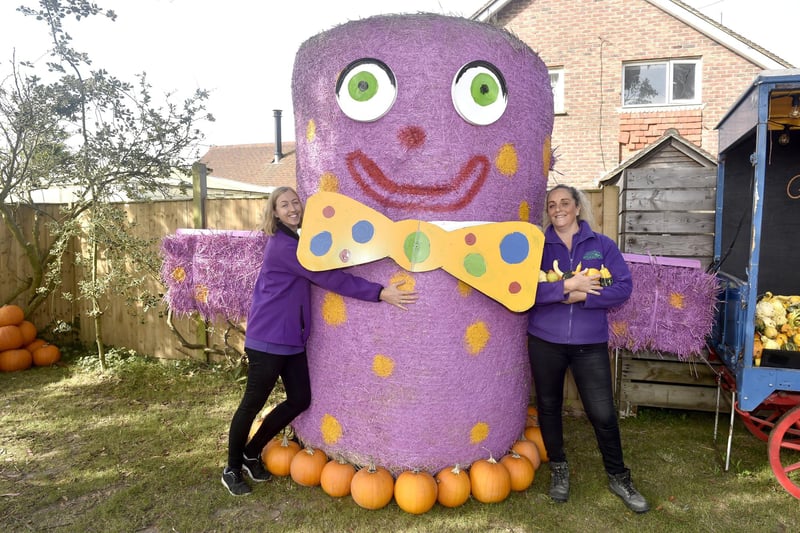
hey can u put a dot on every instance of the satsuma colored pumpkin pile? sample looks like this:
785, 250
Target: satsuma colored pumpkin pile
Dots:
19, 347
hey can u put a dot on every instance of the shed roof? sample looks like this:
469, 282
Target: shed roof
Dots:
253, 163
670, 138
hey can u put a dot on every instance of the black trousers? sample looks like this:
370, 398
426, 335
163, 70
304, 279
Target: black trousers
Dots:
592, 372
262, 374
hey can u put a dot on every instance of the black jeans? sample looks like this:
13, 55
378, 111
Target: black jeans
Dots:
592, 372
262, 372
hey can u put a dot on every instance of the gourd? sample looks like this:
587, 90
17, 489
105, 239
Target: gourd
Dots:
336, 476
306, 466
372, 487
606, 280
490, 480
16, 359
520, 469
454, 486
415, 491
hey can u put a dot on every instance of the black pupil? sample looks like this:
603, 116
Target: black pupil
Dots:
484, 89
363, 86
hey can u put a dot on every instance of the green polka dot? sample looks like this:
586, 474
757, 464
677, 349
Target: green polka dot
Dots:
475, 265
417, 247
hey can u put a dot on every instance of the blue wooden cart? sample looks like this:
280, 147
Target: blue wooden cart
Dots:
757, 249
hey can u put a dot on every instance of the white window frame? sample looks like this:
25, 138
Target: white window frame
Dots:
557, 86
670, 99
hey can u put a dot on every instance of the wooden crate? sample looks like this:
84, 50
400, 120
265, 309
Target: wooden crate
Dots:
662, 380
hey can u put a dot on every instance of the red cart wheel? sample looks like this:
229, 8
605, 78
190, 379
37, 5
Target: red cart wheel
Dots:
784, 451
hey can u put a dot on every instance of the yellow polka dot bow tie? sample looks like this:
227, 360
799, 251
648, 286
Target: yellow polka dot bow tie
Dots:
500, 259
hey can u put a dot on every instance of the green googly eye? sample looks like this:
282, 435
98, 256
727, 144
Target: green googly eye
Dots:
366, 90
479, 93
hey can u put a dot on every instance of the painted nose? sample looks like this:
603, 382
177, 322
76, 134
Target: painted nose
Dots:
411, 137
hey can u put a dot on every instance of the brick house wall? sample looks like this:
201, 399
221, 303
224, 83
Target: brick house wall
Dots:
590, 40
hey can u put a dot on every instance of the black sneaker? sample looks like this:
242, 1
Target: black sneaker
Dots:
622, 486
234, 482
255, 469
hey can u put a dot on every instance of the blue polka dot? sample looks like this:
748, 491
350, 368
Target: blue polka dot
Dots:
363, 231
321, 243
514, 248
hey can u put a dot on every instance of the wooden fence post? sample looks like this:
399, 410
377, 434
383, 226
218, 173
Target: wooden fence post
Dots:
199, 197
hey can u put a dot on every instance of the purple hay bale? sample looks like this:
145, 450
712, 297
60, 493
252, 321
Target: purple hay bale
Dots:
671, 310
220, 272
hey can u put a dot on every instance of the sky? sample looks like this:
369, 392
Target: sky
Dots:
242, 53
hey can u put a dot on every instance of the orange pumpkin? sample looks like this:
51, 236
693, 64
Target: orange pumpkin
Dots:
454, 486
490, 480
415, 491
11, 315
533, 417
520, 469
35, 345
278, 459
372, 487
28, 331
528, 449
10, 338
336, 477
13, 360
306, 466
534, 434
46, 355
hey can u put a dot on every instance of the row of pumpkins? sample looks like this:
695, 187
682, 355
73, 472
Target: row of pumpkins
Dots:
416, 492
19, 347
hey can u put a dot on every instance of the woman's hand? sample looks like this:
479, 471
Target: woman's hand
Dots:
583, 283
398, 298
574, 297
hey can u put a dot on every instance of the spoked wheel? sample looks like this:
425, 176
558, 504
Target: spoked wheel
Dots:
784, 451
761, 421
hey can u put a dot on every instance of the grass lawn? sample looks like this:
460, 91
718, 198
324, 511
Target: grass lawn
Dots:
141, 448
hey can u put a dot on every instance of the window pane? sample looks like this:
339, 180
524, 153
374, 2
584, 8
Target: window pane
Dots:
645, 84
683, 78
557, 85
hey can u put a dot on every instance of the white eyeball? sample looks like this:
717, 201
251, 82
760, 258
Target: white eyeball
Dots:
366, 90
479, 93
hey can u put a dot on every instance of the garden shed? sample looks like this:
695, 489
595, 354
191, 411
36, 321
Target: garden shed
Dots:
666, 209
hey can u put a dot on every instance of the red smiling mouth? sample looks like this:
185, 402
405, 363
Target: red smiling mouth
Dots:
449, 196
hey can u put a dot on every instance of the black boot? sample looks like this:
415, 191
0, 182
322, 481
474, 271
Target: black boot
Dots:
559, 482
622, 486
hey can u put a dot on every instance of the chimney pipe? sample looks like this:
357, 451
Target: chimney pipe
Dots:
278, 148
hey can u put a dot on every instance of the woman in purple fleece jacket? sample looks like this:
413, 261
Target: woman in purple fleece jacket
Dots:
568, 328
277, 329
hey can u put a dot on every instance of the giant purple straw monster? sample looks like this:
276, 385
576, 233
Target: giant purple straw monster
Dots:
433, 118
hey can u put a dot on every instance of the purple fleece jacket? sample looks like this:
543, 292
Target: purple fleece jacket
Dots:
280, 312
582, 322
